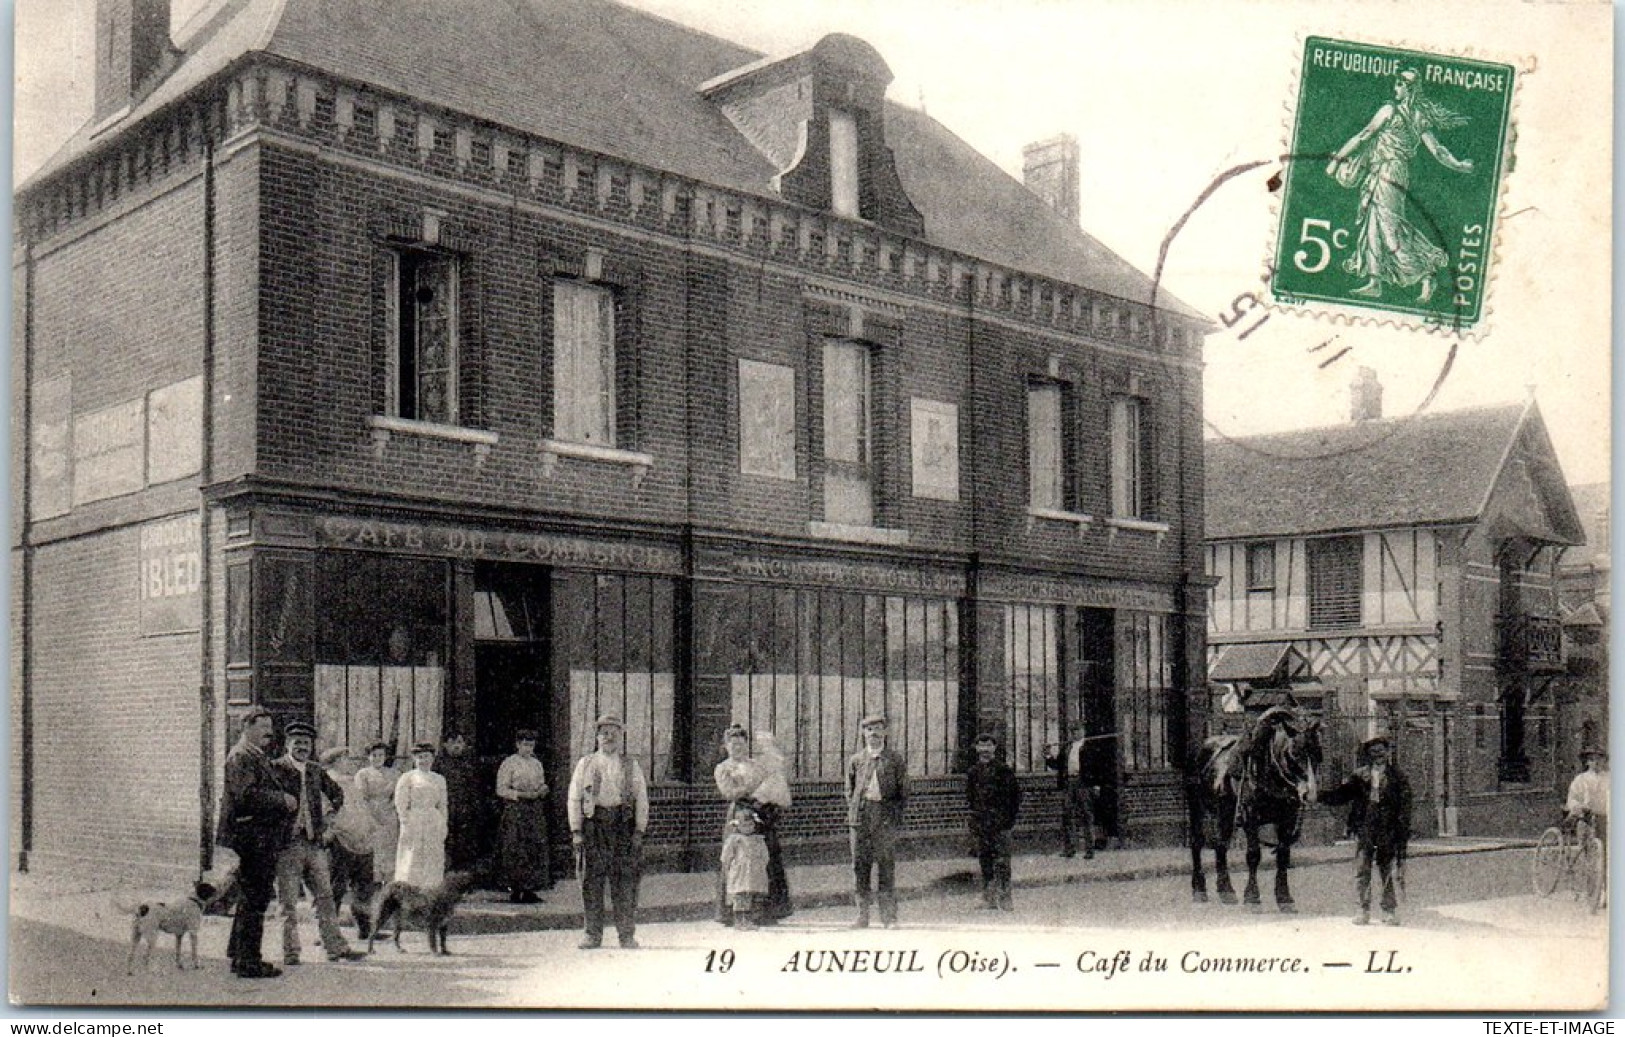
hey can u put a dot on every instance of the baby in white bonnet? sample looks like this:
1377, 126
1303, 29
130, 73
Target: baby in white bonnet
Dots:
775, 786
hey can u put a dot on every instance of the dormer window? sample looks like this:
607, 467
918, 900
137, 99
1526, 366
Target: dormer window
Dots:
843, 163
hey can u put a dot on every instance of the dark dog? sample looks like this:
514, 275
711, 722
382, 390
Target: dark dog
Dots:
180, 918
427, 909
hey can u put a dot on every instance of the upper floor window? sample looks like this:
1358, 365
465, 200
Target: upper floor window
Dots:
843, 163
848, 432
583, 363
1130, 485
1336, 580
423, 304
1046, 445
1260, 567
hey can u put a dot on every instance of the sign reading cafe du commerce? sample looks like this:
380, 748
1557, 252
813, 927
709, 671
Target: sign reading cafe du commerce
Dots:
496, 545
171, 569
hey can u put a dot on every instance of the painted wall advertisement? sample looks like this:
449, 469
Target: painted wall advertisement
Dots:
171, 576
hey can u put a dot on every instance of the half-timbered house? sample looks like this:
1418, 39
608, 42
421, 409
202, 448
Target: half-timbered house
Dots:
1401, 575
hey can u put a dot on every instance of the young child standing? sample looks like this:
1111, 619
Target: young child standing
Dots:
744, 862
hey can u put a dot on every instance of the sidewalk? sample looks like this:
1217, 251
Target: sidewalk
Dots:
673, 896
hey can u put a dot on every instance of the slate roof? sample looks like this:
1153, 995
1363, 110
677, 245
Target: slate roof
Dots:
1426, 469
617, 81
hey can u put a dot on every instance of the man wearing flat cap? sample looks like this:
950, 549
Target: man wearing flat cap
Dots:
609, 812
303, 860
876, 789
254, 821
1379, 801
993, 796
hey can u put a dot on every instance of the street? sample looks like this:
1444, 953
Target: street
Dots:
1474, 936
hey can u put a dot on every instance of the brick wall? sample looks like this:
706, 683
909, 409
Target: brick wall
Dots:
115, 714
325, 240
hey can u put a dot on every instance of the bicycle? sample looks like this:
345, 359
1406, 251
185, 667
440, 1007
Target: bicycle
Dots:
1576, 859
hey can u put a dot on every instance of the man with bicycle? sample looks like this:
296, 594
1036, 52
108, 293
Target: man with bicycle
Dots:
1588, 793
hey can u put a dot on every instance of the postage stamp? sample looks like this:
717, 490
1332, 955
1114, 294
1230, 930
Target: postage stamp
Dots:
1395, 170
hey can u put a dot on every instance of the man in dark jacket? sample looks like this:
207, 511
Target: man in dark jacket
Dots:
1379, 801
255, 822
303, 859
994, 797
876, 789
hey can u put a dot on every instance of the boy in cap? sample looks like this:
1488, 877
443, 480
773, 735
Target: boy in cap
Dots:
876, 789
303, 860
1379, 801
609, 812
994, 797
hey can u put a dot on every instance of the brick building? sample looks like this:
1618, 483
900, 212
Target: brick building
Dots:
1402, 575
422, 369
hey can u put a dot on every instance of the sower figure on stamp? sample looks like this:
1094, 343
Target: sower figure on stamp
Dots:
303, 859
1376, 161
609, 812
993, 797
876, 790
1379, 801
1077, 797
254, 819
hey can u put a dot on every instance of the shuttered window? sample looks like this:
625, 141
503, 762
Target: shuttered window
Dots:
1335, 582
1045, 449
848, 439
1129, 431
583, 363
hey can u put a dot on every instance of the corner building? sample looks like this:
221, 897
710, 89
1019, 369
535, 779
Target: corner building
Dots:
622, 370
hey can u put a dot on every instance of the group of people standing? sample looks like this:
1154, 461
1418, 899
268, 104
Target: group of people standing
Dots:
342, 829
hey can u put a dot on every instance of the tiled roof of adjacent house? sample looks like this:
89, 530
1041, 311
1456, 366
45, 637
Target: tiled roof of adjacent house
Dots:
1421, 470
617, 81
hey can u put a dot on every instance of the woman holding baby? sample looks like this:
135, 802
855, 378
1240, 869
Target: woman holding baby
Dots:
758, 781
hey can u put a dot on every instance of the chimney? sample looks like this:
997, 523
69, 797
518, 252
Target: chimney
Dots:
132, 43
1049, 168
1365, 396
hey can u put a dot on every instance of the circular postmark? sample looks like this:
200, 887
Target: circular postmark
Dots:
1274, 368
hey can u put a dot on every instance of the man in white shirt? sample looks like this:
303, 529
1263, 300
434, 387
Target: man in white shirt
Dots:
876, 791
609, 812
1588, 792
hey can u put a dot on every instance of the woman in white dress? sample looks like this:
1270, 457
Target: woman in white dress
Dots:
420, 801
376, 785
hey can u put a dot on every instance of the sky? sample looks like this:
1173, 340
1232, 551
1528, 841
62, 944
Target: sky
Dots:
1164, 96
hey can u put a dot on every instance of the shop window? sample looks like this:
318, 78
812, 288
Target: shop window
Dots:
616, 633
423, 317
1032, 663
583, 363
848, 433
814, 663
1261, 567
381, 649
1144, 686
1130, 435
1048, 446
1336, 582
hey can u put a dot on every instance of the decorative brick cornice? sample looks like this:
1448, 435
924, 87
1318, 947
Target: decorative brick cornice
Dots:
367, 123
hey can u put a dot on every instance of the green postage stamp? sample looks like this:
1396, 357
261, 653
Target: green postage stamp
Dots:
1392, 182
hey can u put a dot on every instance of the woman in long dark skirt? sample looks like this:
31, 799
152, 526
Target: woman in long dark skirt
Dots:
762, 784
522, 835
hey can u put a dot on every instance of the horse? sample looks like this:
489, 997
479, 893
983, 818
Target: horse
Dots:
1262, 777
